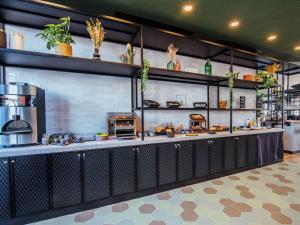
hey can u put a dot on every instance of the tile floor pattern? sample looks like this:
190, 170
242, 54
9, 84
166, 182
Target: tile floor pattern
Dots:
265, 196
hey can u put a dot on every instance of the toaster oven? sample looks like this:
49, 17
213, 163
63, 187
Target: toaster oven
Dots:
121, 125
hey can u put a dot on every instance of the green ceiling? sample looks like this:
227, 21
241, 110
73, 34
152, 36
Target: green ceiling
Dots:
210, 19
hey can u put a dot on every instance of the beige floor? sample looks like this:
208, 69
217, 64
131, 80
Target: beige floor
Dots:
265, 196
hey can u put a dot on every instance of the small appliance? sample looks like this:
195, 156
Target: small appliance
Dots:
121, 125
22, 114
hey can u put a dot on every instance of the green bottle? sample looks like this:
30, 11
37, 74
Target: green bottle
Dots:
208, 68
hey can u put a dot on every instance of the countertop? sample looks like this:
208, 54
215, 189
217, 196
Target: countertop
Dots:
91, 145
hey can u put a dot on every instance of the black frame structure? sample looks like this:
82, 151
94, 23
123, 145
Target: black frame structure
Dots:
36, 15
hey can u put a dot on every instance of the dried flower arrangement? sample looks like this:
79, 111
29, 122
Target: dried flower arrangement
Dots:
172, 51
97, 34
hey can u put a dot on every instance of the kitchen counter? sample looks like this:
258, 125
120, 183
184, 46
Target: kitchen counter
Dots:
91, 145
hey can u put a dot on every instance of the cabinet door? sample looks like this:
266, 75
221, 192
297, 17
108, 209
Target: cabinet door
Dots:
96, 174
241, 147
252, 150
185, 157
146, 167
123, 170
4, 190
31, 184
201, 158
167, 163
229, 153
216, 156
66, 179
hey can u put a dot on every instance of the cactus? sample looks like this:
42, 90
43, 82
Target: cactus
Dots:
130, 53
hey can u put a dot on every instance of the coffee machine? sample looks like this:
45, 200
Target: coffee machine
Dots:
22, 114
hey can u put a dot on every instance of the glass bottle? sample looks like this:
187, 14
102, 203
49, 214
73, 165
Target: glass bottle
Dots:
208, 68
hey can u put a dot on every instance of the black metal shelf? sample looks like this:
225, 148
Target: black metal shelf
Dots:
36, 60
191, 109
195, 78
36, 15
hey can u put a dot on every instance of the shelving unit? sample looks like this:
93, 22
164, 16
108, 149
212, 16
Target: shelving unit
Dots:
36, 15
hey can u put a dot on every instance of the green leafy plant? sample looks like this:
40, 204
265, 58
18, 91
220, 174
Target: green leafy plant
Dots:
231, 76
145, 74
268, 79
57, 33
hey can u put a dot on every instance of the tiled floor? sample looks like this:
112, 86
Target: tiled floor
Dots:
266, 196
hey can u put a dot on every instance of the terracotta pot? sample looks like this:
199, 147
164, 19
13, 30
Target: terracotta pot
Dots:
63, 49
248, 77
222, 104
2, 39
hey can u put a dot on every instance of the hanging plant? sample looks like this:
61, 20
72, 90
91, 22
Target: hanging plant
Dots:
230, 77
145, 74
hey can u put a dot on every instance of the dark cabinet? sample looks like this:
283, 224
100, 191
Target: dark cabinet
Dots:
4, 190
96, 174
66, 179
146, 167
123, 170
31, 184
185, 160
230, 153
252, 150
216, 156
201, 158
241, 151
166, 163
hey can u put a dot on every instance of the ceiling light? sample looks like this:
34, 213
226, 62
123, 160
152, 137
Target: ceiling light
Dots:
297, 48
272, 37
234, 24
188, 8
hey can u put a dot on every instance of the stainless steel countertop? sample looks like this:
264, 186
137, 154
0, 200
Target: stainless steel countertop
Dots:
92, 145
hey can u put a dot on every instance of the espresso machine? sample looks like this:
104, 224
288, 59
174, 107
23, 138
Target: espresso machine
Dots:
22, 114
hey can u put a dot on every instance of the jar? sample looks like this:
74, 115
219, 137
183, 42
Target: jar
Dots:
16, 41
2, 39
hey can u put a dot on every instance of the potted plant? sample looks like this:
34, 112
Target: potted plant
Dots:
268, 76
58, 36
96, 32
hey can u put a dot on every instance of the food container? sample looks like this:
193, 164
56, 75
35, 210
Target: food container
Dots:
222, 104
151, 104
249, 77
200, 105
173, 104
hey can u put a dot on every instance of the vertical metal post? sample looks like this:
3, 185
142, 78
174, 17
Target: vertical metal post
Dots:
231, 93
218, 94
208, 105
142, 94
282, 95
2, 75
256, 98
2, 69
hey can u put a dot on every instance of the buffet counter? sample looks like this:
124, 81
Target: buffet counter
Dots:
90, 145
41, 182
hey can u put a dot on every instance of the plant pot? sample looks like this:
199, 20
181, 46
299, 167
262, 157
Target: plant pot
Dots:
2, 39
63, 49
96, 55
222, 104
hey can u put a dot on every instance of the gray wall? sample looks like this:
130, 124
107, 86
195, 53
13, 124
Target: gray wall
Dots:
79, 102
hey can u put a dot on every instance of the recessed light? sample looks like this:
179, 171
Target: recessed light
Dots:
297, 48
234, 24
188, 8
272, 37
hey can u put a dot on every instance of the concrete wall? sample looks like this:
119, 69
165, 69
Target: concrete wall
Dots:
79, 102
